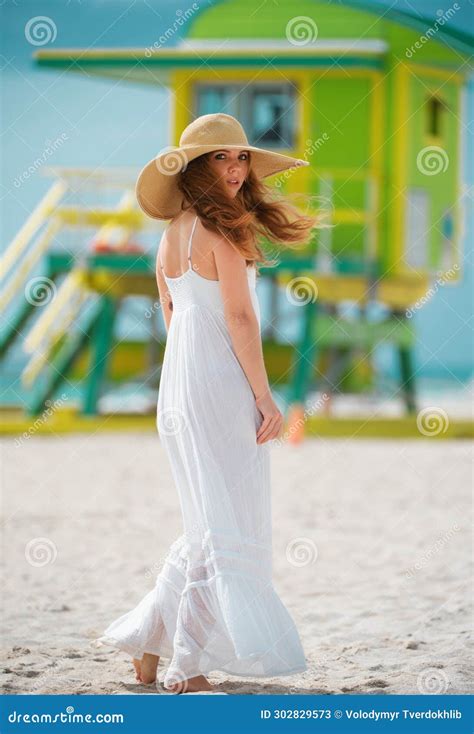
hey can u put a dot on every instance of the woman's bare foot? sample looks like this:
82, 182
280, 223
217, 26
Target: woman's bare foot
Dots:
191, 685
145, 669
137, 664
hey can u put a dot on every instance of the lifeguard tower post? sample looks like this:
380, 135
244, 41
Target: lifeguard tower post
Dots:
375, 106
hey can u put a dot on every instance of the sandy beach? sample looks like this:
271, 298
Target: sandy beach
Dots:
371, 554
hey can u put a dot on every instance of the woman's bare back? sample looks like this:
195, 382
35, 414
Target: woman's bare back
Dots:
173, 249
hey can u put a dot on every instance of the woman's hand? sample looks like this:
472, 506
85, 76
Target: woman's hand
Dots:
272, 418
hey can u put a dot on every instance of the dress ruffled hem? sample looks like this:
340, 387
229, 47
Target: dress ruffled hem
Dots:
225, 622
138, 654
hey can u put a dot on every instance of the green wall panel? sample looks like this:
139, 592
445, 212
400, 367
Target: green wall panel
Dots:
341, 108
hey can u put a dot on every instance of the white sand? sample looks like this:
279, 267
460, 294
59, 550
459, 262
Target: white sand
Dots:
381, 606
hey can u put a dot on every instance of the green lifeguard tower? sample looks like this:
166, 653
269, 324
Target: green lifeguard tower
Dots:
373, 102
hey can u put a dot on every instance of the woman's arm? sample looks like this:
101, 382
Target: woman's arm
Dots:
165, 296
244, 331
240, 315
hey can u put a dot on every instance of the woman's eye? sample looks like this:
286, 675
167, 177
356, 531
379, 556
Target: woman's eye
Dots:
242, 156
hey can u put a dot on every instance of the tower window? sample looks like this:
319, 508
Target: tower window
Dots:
266, 110
435, 110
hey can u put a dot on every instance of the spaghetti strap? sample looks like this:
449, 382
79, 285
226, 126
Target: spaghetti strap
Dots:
160, 262
190, 241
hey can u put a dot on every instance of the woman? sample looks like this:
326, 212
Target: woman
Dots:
214, 606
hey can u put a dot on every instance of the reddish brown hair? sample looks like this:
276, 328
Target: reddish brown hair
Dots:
255, 210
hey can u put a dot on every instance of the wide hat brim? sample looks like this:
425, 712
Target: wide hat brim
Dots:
157, 190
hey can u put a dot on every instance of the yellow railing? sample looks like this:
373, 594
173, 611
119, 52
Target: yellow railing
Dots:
25, 265
54, 323
36, 219
73, 292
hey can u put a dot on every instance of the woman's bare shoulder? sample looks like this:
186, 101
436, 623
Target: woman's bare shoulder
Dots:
179, 222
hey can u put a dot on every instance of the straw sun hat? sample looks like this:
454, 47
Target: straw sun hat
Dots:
157, 189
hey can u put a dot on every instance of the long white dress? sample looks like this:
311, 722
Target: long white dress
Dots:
213, 606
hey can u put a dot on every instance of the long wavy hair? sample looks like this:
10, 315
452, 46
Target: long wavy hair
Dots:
256, 211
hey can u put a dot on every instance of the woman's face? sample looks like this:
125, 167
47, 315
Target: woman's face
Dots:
230, 167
